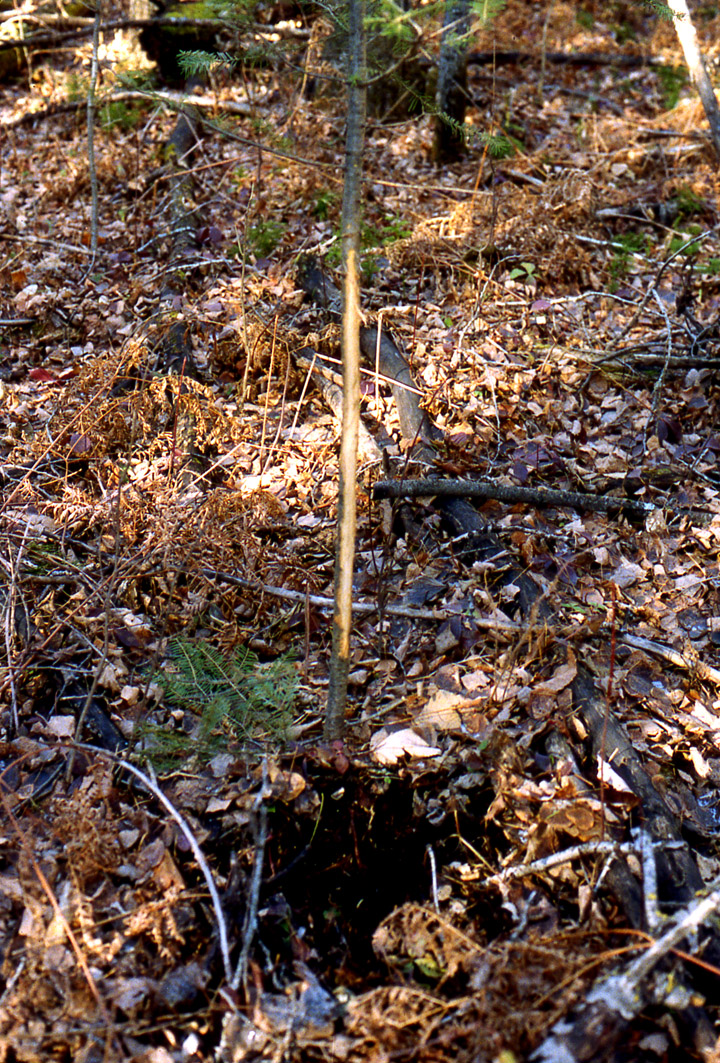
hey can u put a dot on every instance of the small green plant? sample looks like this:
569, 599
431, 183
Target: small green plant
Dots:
119, 115
77, 88
486, 10
324, 202
624, 32
631, 243
711, 267
390, 21
136, 80
525, 272
193, 63
43, 557
334, 255
264, 236
418, 102
688, 202
624, 246
394, 227
585, 19
369, 267
498, 145
680, 240
660, 9
672, 80
370, 235
233, 699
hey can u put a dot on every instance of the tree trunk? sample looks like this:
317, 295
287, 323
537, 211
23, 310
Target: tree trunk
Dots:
345, 548
696, 65
451, 94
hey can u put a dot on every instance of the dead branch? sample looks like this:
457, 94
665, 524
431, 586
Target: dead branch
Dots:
430, 488
616, 1000
363, 608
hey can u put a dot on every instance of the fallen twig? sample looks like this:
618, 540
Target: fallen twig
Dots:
197, 852
358, 607
260, 831
566, 856
680, 660
619, 998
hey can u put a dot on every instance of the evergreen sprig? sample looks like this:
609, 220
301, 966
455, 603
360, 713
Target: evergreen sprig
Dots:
235, 698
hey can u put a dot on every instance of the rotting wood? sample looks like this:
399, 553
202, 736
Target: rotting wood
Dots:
168, 96
615, 1000
678, 875
414, 421
368, 450
362, 608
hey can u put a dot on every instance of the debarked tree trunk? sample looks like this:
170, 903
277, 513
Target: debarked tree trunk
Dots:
696, 65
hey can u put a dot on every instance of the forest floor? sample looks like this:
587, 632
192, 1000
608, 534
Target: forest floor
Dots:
187, 872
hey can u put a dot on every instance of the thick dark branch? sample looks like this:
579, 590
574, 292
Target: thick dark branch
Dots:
73, 29
431, 488
84, 29
563, 59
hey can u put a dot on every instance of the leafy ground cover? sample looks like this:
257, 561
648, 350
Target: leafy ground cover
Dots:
187, 872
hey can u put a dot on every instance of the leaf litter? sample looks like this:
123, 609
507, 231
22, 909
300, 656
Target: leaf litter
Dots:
439, 887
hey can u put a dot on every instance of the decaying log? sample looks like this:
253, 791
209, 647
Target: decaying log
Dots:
597, 1029
414, 421
678, 877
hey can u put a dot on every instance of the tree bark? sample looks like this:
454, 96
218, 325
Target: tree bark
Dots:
345, 548
451, 95
696, 65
